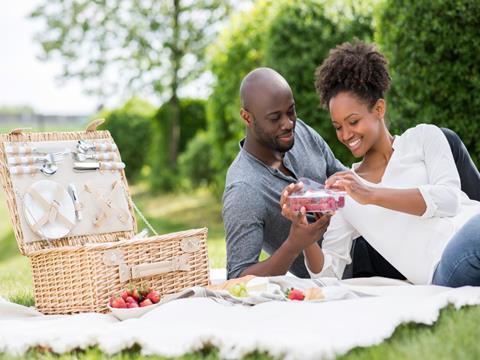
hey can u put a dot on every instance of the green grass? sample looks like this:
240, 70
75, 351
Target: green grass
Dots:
454, 336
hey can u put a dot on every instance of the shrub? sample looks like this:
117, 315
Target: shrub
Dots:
164, 176
433, 47
194, 162
238, 50
299, 39
131, 127
292, 37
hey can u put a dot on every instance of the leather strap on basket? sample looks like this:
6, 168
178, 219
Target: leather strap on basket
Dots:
179, 263
106, 205
115, 257
52, 214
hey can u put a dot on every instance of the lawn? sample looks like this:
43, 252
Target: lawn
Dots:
454, 336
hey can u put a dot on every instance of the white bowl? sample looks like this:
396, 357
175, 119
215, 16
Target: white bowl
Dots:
125, 314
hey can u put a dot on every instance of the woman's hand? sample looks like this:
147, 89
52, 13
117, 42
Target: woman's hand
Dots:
302, 234
349, 182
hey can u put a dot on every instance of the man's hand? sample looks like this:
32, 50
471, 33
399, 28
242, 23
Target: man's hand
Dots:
302, 234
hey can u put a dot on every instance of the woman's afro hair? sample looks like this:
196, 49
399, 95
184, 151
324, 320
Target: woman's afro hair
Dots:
356, 67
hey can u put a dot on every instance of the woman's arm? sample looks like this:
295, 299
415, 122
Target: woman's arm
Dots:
409, 201
440, 197
314, 258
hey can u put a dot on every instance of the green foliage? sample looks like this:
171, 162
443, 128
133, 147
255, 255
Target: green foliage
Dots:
292, 37
299, 39
131, 127
239, 49
131, 46
193, 118
147, 44
194, 162
433, 51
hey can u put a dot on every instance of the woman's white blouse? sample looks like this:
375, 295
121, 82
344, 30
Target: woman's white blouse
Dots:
422, 159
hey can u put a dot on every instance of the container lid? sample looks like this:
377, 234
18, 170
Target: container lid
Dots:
15, 206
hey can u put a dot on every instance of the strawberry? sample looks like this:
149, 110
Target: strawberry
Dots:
145, 291
146, 302
132, 305
294, 294
136, 295
124, 294
118, 302
154, 296
130, 300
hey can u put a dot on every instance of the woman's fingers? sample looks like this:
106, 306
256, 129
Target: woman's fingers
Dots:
332, 181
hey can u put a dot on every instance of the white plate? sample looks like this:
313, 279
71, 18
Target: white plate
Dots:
272, 289
34, 210
125, 314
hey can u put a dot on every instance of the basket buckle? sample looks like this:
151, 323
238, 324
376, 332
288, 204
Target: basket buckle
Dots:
113, 257
190, 245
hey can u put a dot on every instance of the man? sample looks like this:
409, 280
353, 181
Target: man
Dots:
278, 150
267, 162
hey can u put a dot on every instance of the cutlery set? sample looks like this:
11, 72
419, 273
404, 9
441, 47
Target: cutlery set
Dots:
87, 152
87, 208
89, 156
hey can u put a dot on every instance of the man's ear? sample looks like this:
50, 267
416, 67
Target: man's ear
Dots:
247, 118
380, 108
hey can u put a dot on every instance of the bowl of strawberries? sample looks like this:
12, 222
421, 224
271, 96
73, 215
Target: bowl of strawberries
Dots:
133, 302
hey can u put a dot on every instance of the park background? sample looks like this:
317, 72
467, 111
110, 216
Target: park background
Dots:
165, 76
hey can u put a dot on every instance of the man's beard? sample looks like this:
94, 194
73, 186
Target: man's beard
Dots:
272, 143
284, 147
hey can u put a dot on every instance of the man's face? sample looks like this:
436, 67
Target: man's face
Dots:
274, 118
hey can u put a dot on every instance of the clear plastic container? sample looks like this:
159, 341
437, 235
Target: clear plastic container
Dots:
315, 198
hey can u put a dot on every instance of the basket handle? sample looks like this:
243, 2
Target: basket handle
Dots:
94, 124
178, 263
19, 131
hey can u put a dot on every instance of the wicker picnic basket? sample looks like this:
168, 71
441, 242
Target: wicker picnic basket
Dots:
79, 273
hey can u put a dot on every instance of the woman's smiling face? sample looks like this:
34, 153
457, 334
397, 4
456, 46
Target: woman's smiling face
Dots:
357, 126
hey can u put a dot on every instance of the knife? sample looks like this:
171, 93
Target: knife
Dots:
98, 165
77, 205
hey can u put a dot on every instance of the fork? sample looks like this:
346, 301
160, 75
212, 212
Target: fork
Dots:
46, 169
50, 158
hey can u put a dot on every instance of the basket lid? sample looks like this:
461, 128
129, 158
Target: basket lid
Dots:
14, 189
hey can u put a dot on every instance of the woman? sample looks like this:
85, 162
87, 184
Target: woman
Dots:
404, 196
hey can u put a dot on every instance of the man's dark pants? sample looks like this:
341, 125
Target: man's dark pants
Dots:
367, 262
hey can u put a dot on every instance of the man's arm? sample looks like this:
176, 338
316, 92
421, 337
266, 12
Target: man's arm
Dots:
277, 264
302, 235
243, 216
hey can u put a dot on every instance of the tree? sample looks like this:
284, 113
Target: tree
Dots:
135, 45
131, 127
192, 113
433, 47
299, 39
292, 37
238, 50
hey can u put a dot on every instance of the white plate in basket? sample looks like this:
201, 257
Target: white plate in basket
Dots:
51, 192
125, 314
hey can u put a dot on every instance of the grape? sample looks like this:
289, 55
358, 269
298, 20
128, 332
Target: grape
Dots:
238, 290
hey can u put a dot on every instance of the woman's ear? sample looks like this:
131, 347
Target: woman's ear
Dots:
380, 108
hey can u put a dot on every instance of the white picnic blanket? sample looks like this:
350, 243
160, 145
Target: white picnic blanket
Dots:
293, 330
